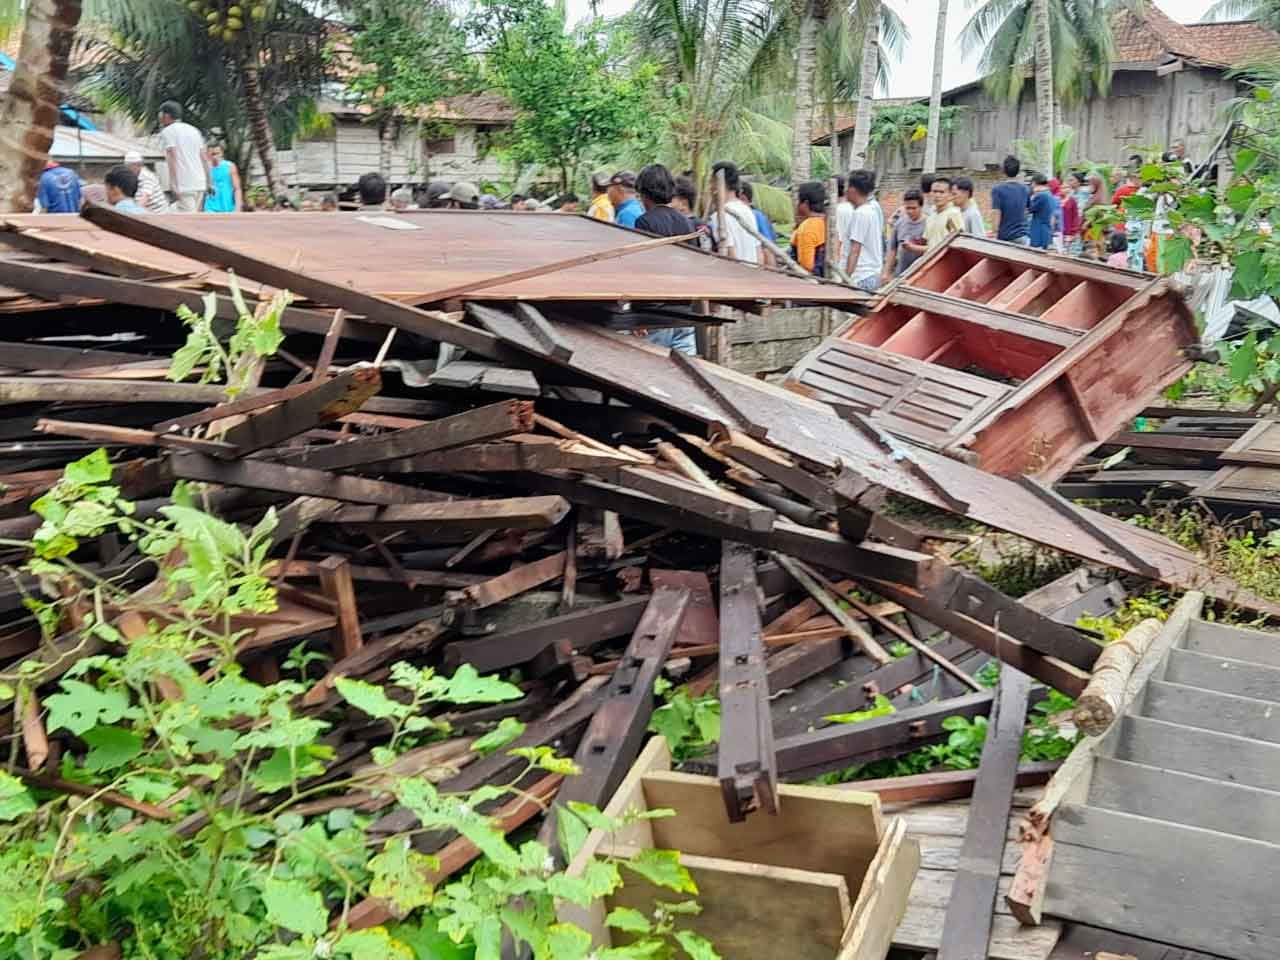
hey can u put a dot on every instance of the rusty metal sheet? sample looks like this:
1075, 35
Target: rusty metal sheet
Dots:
442, 249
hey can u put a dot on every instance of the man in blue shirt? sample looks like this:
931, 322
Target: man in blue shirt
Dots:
627, 208
1009, 202
59, 190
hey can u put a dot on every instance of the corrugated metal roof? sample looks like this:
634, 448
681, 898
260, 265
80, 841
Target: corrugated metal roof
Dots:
71, 145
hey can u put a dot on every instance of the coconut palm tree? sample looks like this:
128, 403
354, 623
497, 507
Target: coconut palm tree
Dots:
29, 111
1067, 40
1268, 11
935, 94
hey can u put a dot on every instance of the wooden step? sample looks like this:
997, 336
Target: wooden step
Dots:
1185, 798
1169, 882
1243, 678
1206, 753
1211, 710
1239, 643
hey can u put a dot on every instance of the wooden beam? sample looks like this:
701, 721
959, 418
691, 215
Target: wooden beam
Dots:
132, 436
374, 309
824, 593
617, 730
508, 585
491, 422
967, 927
299, 481
335, 581
941, 785
460, 516
745, 765
325, 402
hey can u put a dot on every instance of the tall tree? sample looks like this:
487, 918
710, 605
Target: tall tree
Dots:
866, 87
811, 20
935, 94
1044, 81
29, 111
1268, 11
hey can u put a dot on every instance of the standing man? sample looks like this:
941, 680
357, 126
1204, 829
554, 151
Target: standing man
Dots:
906, 239
962, 194
945, 218
601, 208
732, 236
1009, 200
150, 195
747, 194
809, 242
864, 241
226, 196
844, 213
188, 163
627, 209
656, 188
59, 190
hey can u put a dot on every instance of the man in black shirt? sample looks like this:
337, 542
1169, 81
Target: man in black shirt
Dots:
655, 187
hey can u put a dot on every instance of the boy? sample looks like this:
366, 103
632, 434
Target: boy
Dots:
962, 191
906, 239
808, 243
122, 187
865, 241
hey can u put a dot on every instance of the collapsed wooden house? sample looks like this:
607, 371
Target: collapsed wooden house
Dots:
541, 490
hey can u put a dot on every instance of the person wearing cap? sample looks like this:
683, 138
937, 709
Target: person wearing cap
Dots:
226, 196
600, 208
464, 196
150, 194
627, 208
402, 199
437, 194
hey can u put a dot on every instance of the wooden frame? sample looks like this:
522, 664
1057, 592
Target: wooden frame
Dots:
1019, 360
825, 879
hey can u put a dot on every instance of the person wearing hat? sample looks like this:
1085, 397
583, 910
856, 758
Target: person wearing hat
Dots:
464, 196
150, 194
226, 196
627, 208
600, 208
437, 194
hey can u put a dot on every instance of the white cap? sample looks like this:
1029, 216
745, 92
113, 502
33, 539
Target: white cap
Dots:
133, 156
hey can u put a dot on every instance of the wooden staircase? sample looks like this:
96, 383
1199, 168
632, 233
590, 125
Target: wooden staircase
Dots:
1170, 830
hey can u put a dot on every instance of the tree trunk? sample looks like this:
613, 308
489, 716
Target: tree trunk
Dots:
836, 166
806, 65
259, 128
1044, 82
1103, 699
866, 89
386, 141
29, 112
935, 96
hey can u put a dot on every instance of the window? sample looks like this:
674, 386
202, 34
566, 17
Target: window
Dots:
984, 130
443, 145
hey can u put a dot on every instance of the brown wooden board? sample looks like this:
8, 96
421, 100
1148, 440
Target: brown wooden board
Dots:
327, 401
460, 516
1260, 446
261, 475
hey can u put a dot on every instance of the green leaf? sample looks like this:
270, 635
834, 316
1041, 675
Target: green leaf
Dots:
1174, 252
88, 470
881, 707
628, 920
662, 868
1138, 206
1248, 280
294, 906
509, 730
467, 686
571, 832
568, 942
1261, 94
110, 747
1240, 196
1244, 359
698, 948
15, 799
370, 699
81, 707
402, 875
1151, 171
545, 758
1244, 160
373, 944
429, 943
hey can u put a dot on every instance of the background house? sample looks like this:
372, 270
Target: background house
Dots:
349, 147
1168, 83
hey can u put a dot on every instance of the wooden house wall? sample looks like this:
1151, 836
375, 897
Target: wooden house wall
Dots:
1141, 109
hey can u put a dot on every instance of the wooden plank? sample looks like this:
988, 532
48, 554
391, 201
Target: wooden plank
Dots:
945, 784
263, 475
823, 592
983, 316
746, 768
130, 436
1197, 888
416, 641
100, 261
1260, 446
1206, 753
1241, 678
580, 631
1184, 798
882, 898
508, 585
460, 516
325, 402
46, 357
484, 423
617, 730
701, 624
1193, 707
336, 582
1238, 643
374, 309
967, 929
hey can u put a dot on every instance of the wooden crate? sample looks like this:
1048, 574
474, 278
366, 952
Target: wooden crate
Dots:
1022, 360
826, 878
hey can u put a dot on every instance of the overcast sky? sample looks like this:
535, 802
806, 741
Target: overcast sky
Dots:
912, 75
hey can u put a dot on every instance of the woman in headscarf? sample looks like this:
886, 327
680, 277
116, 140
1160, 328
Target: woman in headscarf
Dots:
1072, 216
1094, 193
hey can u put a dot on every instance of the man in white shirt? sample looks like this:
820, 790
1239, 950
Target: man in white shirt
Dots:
844, 214
188, 162
865, 240
733, 229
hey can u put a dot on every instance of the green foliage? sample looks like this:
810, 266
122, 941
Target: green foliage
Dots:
690, 726
880, 708
257, 335
905, 126
569, 88
1132, 611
